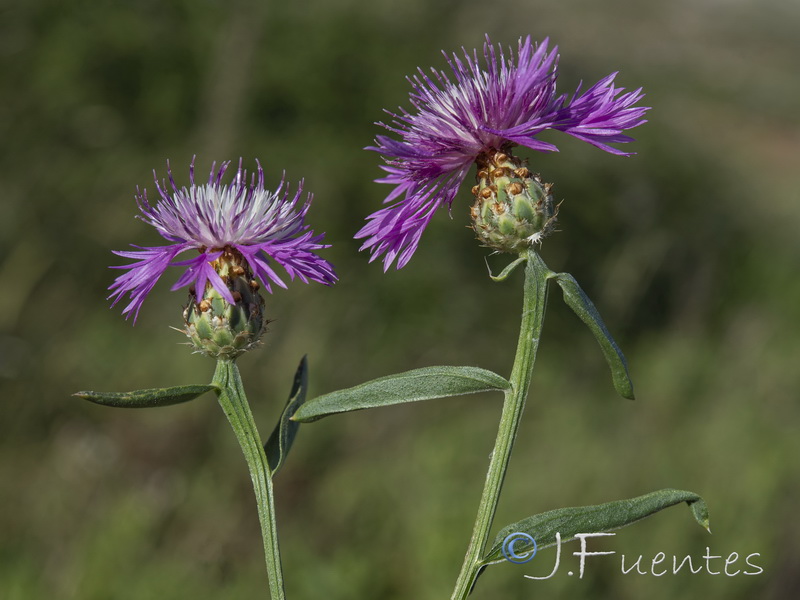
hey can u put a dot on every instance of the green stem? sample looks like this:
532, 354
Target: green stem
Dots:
533, 306
234, 403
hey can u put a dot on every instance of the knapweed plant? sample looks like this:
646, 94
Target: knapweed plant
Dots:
480, 114
235, 233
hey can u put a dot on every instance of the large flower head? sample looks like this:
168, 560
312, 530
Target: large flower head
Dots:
471, 117
232, 229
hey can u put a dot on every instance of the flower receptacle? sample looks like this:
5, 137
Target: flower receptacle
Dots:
513, 208
218, 328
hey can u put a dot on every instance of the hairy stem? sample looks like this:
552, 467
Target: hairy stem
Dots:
234, 403
533, 307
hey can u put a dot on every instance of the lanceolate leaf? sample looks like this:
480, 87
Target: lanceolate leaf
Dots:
593, 519
507, 271
279, 443
147, 398
579, 302
411, 386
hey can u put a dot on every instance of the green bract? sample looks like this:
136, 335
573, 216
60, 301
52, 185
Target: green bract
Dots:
220, 329
513, 209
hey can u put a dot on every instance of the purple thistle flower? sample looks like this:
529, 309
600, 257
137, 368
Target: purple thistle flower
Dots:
213, 217
477, 112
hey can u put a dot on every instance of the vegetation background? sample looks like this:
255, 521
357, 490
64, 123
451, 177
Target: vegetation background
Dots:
690, 250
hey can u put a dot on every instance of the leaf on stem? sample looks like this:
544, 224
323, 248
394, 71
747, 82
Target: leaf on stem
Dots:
592, 519
420, 384
282, 437
507, 271
147, 398
579, 302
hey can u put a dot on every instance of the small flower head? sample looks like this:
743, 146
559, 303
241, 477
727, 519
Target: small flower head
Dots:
513, 208
218, 328
236, 232
478, 113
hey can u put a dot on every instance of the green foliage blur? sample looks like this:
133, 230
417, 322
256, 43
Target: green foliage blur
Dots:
689, 249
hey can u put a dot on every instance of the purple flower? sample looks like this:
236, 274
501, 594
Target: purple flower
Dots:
479, 111
241, 217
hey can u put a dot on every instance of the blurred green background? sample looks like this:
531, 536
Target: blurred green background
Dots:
689, 249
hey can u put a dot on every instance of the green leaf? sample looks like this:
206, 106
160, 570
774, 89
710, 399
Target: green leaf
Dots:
147, 398
282, 437
579, 302
507, 271
411, 386
593, 519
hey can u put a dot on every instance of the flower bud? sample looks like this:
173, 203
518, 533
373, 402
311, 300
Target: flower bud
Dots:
513, 209
216, 327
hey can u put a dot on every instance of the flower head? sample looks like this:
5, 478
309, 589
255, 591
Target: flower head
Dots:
479, 112
240, 220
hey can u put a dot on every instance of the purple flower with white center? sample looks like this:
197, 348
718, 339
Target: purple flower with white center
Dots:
460, 121
241, 219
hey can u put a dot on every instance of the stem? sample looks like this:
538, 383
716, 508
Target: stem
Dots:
533, 306
234, 403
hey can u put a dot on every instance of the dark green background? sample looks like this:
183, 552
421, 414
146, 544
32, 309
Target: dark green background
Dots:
689, 250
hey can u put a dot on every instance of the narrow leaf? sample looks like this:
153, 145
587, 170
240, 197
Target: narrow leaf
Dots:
282, 437
147, 398
420, 384
579, 302
592, 519
507, 271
